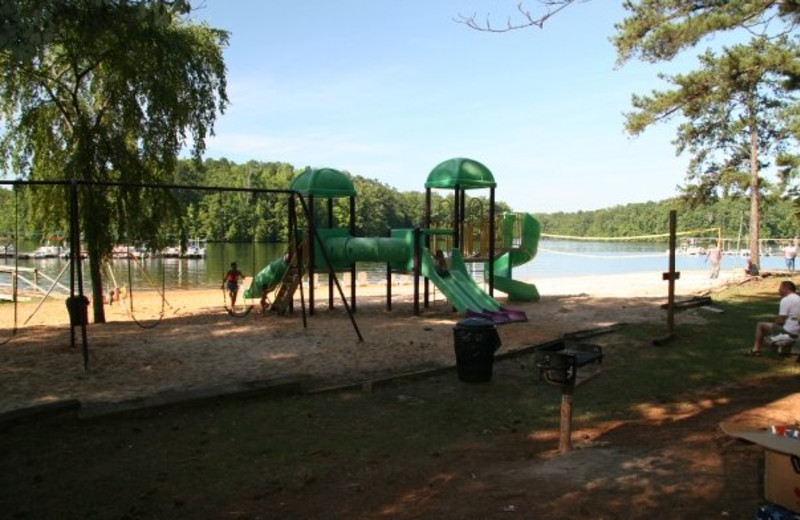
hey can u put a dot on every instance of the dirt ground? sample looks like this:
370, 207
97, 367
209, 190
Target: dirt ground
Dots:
198, 344
676, 465
630, 469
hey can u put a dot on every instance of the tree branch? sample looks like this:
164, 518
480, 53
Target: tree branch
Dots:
553, 7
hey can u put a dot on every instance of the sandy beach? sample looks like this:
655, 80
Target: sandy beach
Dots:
198, 345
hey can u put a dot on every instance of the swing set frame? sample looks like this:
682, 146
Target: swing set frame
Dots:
77, 302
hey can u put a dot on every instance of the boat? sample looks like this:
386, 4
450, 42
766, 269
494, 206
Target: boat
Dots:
171, 252
46, 252
195, 250
123, 251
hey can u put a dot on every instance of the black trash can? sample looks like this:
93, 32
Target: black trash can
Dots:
77, 306
475, 342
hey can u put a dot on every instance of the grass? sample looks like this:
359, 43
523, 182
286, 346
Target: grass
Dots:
196, 461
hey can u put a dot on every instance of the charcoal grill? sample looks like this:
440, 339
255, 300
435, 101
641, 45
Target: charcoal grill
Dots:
558, 364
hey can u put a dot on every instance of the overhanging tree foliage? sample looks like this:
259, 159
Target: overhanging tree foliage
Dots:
106, 90
657, 30
737, 117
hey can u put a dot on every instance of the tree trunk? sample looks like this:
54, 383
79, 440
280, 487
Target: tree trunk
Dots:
98, 308
754, 195
92, 233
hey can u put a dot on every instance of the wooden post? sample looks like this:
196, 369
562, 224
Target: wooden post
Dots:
671, 276
565, 438
14, 285
672, 273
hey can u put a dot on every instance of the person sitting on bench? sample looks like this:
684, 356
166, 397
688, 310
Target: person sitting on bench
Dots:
786, 326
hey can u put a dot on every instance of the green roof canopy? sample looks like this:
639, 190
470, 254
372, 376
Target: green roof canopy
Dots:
323, 182
464, 173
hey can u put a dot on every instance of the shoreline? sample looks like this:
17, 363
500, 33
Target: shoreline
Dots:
147, 303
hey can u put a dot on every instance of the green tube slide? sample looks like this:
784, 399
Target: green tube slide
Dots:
525, 251
342, 251
268, 278
346, 250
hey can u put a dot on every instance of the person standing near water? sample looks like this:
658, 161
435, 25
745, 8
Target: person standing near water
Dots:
789, 255
231, 282
714, 256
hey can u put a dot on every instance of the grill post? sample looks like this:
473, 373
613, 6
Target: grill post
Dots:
565, 435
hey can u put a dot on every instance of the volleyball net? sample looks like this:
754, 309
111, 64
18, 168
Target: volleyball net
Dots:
703, 234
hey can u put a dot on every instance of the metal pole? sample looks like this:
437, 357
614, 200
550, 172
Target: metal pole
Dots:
75, 253
388, 278
416, 270
456, 218
491, 242
298, 255
312, 231
427, 225
353, 266
330, 279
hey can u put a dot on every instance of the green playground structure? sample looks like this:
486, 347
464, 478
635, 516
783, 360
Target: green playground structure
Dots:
268, 278
516, 256
336, 249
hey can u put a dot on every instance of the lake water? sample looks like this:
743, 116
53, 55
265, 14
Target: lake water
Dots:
555, 258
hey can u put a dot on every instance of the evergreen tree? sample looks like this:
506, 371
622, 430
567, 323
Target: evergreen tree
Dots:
737, 116
657, 30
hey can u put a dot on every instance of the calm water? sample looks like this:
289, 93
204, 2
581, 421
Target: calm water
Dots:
555, 258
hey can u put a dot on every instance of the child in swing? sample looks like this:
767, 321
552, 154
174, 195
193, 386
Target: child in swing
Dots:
231, 282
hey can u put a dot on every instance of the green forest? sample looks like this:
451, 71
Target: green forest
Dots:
219, 216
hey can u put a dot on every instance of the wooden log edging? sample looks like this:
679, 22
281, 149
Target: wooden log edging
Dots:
418, 374
74, 409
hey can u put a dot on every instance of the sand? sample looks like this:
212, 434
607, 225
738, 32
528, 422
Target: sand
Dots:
197, 345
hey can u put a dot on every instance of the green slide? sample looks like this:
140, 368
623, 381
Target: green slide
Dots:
464, 294
524, 252
268, 278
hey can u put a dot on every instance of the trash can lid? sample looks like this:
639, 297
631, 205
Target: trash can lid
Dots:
474, 323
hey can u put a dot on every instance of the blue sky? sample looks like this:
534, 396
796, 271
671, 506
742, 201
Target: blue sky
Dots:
387, 89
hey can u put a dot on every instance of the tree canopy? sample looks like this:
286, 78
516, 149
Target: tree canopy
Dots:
106, 90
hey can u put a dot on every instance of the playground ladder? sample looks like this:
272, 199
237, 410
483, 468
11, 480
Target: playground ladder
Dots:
286, 291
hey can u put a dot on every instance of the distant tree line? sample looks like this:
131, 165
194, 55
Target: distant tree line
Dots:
221, 216
652, 218
245, 217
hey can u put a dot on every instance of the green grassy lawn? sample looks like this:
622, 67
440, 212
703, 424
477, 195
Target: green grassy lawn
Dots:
209, 460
